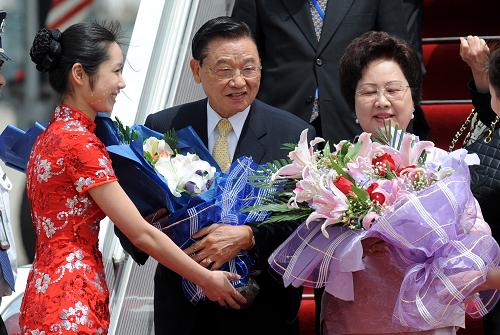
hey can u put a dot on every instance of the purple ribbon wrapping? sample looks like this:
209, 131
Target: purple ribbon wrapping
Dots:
430, 238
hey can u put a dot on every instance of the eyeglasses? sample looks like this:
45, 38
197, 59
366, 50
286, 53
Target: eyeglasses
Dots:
393, 90
227, 73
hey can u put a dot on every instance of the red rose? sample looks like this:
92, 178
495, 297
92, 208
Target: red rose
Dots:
378, 197
398, 172
371, 188
344, 185
381, 163
375, 196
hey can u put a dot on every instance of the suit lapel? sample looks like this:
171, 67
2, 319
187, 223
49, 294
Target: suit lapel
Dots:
253, 131
196, 117
336, 10
301, 15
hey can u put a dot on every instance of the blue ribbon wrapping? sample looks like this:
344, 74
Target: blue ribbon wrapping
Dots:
16, 144
220, 204
233, 193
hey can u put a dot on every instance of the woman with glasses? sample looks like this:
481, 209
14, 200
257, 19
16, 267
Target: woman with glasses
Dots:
379, 77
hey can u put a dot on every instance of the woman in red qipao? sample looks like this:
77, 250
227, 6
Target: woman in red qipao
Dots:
72, 186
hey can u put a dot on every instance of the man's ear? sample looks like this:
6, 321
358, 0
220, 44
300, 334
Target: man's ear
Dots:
195, 70
78, 76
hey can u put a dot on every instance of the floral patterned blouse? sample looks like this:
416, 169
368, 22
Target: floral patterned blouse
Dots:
66, 291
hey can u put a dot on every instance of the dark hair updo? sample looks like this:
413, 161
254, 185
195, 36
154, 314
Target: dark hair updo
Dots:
46, 49
86, 43
373, 46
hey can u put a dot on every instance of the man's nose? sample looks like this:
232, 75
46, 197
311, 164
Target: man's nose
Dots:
238, 80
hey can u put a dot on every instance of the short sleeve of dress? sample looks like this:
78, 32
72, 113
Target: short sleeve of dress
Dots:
87, 162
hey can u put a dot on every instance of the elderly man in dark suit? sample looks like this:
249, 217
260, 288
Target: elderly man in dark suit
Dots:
231, 123
301, 43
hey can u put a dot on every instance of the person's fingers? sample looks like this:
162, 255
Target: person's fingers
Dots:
194, 248
200, 256
232, 303
204, 231
231, 275
217, 265
238, 298
464, 49
221, 302
206, 262
463, 42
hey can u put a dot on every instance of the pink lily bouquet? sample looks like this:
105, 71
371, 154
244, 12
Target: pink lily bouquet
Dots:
356, 183
390, 186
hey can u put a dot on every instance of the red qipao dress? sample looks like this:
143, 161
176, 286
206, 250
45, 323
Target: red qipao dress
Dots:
66, 291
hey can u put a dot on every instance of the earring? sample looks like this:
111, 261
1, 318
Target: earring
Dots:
412, 116
356, 121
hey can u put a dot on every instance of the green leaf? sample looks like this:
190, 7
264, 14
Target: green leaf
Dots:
289, 146
125, 134
353, 152
362, 195
278, 207
340, 171
291, 217
170, 137
149, 158
423, 158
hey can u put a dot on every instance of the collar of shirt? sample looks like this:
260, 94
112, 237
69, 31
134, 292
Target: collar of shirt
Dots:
237, 122
67, 113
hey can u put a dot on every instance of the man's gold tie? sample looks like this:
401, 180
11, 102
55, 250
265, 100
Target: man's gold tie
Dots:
221, 147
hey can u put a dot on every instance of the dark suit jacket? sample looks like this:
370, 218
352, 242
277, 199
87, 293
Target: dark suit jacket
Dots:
265, 130
294, 63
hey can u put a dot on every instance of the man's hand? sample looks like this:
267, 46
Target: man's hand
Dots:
475, 52
219, 243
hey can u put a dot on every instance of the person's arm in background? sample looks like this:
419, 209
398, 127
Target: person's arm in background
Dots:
115, 203
475, 53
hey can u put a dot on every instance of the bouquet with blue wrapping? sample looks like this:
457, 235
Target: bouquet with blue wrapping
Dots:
176, 171
16, 144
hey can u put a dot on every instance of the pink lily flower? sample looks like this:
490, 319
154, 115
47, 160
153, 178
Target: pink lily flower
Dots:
301, 157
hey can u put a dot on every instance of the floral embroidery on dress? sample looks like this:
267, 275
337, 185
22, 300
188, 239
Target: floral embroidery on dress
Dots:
78, 205
66, 290
80, 183
48, 226
74, 126
42, 282
107, 170
74, 316
74, 261
62, 113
